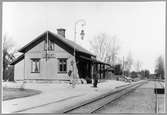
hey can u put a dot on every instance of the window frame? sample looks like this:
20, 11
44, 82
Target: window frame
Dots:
37, 60
62, 65
49, 43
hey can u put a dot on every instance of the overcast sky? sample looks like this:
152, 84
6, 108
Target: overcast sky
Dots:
138, 26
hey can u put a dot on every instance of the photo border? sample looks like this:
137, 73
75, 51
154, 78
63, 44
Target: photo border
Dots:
1, 62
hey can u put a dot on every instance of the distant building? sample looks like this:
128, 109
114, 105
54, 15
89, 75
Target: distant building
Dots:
152, 76
49, 57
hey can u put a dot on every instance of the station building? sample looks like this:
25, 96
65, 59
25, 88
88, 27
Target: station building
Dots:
50, 56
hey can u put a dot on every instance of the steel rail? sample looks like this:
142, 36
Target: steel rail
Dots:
112, 101
98, 103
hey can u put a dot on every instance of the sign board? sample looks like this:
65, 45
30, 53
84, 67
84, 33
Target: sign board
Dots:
159, 90
49, 55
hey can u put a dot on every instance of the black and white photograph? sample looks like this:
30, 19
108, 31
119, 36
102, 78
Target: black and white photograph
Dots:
83, 57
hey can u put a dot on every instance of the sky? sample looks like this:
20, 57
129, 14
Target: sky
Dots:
138, 26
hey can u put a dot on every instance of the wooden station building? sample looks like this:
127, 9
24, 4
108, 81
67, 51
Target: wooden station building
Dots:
49, 57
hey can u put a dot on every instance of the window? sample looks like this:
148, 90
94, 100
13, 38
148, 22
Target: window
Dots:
35, 65
63, 65
50, 45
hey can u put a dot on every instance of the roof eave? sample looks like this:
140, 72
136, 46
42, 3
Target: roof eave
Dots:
23, 49
17, 60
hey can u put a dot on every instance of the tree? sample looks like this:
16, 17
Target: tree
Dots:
112, 49
117, 69
144, 73
138, 66
126, 72
128, 62
159, 67
8, 57
106, 48
147, 73
98, 45
133, 74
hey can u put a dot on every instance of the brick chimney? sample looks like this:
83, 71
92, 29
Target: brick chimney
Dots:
61, 31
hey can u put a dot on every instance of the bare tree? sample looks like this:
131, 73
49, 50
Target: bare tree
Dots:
8, 57
98, 45
128, 62
159, 67
112, 50
106, 48
138, 65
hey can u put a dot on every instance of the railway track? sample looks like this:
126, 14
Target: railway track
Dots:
98, 103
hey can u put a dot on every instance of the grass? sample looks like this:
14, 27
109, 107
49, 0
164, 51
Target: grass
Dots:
13, 93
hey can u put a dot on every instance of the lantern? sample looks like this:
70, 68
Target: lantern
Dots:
82, 34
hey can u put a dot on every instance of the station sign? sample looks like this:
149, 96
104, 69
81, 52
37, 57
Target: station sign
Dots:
49, 55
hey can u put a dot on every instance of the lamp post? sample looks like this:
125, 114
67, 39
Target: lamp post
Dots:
82, 35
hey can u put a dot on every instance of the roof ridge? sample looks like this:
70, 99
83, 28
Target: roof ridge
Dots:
63, 39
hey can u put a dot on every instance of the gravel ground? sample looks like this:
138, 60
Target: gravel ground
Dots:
13, 93
54, 93
141, 100
161, 104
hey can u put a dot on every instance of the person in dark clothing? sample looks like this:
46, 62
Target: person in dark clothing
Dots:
95, 78
69, 74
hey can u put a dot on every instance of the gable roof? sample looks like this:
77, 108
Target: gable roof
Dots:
59, 37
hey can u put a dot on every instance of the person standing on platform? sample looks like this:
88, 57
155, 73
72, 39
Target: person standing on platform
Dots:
70, 74
95, 79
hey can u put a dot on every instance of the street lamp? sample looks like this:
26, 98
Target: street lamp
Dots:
82, 36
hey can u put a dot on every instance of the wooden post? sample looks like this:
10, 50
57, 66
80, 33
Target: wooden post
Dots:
87, 69
90, 75
97, 68
104, 71
92, 72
